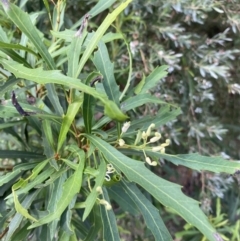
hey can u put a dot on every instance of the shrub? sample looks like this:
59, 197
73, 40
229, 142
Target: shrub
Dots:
80, 142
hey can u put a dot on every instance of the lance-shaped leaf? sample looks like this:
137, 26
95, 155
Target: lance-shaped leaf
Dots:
54, 76
91, 199
75, 48
55, 193
199, 163
150, 213
73, 109
110, 230
88, 111
124, 200
166, 113
139, 100
16, 46
169, 194
96, 224
98, 8
100, 32
151, 80
102, 61
20, 154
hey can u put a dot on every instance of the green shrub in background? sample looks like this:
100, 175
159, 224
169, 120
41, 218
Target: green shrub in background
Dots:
86, 140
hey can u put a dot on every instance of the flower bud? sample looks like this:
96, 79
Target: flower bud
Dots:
105, 203
156, 137
121, 142
148, 160
149, 129
144, 135
125, 127
99, 189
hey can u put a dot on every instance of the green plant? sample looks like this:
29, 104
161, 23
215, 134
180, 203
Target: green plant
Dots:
81, 145
219, 222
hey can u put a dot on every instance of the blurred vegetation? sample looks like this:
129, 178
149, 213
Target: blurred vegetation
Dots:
199, 41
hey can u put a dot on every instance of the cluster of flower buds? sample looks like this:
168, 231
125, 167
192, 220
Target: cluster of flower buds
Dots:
144, 136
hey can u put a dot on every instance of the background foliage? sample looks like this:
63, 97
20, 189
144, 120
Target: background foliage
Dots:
199, 41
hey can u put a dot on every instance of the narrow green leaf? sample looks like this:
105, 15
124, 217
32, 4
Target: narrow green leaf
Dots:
37, 169
100, 32
8, 85
66, 222
169, 194
15, 56
55, 192
72, 110
91, 199
119, 195
167, 113
96, 224
11, 124
22, 233
24, 23
54, 76
199, 163
75, 50
138, 88
98, 8
48, 137
19, 208
48, 9
88, 111
58, 15
130, 68
110, 230
20, 154
55, 176
102, 61
4, 45
70, 188
152, 80
139, 100
53, 97
67, 35
150, 214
